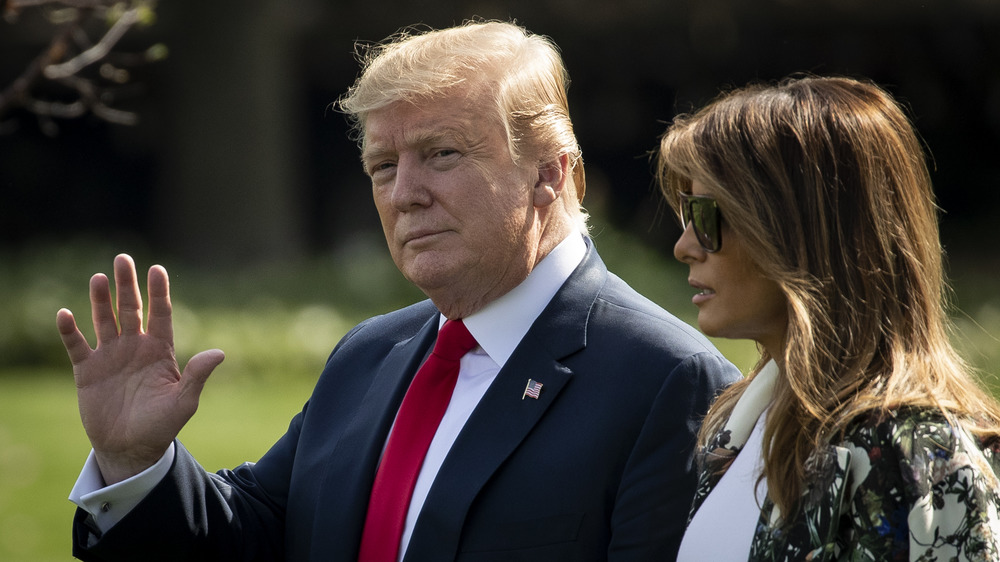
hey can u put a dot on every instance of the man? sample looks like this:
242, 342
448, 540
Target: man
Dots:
565, 433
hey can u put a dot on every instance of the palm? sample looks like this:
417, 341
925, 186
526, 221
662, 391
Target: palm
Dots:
133, 397
126, 388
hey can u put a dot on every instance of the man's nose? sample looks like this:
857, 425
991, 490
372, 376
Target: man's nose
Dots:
411, 187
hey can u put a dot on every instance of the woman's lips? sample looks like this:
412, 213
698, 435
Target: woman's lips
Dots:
704, 292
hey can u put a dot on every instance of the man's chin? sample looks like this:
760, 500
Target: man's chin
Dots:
429, 276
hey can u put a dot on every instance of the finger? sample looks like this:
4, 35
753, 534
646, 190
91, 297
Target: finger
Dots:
128, 297
100, 309
198, 369
160, 323
76, 345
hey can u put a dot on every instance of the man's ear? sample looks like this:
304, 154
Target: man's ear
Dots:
552, 178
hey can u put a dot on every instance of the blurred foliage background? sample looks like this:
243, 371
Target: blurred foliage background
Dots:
240, 179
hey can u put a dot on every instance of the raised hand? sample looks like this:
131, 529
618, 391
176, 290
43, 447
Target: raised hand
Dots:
133, 397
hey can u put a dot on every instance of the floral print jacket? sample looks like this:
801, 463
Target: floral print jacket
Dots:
910, 485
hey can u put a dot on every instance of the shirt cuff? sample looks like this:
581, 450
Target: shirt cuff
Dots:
109, 504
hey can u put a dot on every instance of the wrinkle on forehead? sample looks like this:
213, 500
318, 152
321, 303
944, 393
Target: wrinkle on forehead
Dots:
410, 127
473, 100
419, 137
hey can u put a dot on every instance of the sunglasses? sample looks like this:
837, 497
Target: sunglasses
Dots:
703, 213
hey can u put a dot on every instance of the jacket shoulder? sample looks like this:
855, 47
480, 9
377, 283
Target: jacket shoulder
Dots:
389, 328
622, 309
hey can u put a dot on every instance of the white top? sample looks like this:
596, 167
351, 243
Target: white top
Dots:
498, 329
724, 525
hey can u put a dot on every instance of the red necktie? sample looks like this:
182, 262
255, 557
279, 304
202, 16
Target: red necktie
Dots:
416, 422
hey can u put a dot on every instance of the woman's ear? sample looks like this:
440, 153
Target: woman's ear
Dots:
552, 178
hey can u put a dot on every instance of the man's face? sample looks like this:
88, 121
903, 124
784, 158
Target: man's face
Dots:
456, 210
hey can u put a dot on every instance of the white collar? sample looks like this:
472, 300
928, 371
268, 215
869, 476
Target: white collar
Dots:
755, 399
501, 325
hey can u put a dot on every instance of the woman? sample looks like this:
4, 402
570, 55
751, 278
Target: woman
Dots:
810, 227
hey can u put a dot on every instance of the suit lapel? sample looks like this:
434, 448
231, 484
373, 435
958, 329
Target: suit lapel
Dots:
503, 419
355, 458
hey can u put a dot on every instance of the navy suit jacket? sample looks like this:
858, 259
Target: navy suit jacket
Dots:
597, 468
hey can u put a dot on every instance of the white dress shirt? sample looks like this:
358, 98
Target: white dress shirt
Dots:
498, 329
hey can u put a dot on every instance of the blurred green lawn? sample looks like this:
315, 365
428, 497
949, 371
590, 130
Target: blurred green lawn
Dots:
277, 324
43, 446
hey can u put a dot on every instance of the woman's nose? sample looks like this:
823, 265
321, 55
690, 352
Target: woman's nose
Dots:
687, 249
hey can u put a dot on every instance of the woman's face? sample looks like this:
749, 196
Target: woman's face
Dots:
734, 299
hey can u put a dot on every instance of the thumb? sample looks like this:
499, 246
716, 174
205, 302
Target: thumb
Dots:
201, 366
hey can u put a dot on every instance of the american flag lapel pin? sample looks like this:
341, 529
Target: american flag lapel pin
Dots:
533, 389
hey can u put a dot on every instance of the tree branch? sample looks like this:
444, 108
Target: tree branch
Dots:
58, 64
83, 4
98, 51
17, 93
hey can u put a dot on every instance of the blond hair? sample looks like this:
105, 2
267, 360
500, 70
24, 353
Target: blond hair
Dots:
523, 72
826, 182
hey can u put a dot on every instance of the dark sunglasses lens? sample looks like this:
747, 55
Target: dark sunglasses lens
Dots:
703, 212
706, 223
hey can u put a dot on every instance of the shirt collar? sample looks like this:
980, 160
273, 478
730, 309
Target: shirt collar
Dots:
501, 325
755, 400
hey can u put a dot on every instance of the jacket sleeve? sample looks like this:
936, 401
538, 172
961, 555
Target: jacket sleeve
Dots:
659, 481
194, 515
930, 490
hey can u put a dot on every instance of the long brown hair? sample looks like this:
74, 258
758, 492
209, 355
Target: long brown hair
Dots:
826, 182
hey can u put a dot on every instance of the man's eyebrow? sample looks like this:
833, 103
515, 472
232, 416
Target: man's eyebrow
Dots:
422, 138
371, 152
443, 134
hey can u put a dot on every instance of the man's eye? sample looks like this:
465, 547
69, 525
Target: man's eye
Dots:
381, 167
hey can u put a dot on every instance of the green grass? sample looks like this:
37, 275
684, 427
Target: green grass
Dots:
41, 440
277, 324
43, 446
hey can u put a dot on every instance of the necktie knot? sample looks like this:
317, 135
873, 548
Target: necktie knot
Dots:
454, 341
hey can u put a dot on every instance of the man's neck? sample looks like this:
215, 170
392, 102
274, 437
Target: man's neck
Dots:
455, 306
